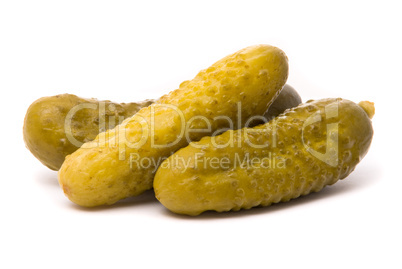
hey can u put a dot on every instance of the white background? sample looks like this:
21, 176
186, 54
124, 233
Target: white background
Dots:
127, 51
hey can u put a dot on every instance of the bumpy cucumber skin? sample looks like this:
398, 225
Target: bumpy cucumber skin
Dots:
44, 133
96, 174
200, 188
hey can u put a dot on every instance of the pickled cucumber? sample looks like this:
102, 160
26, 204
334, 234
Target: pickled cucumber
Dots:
122, 162
288, 98
45, 123
298, 152
44, 129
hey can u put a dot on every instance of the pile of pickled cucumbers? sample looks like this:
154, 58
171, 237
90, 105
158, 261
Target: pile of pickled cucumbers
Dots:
234, 137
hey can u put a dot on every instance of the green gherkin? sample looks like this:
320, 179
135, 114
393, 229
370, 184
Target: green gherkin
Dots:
44, 127
288, 98
108, 169
46, 137
45, 133
299, 152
